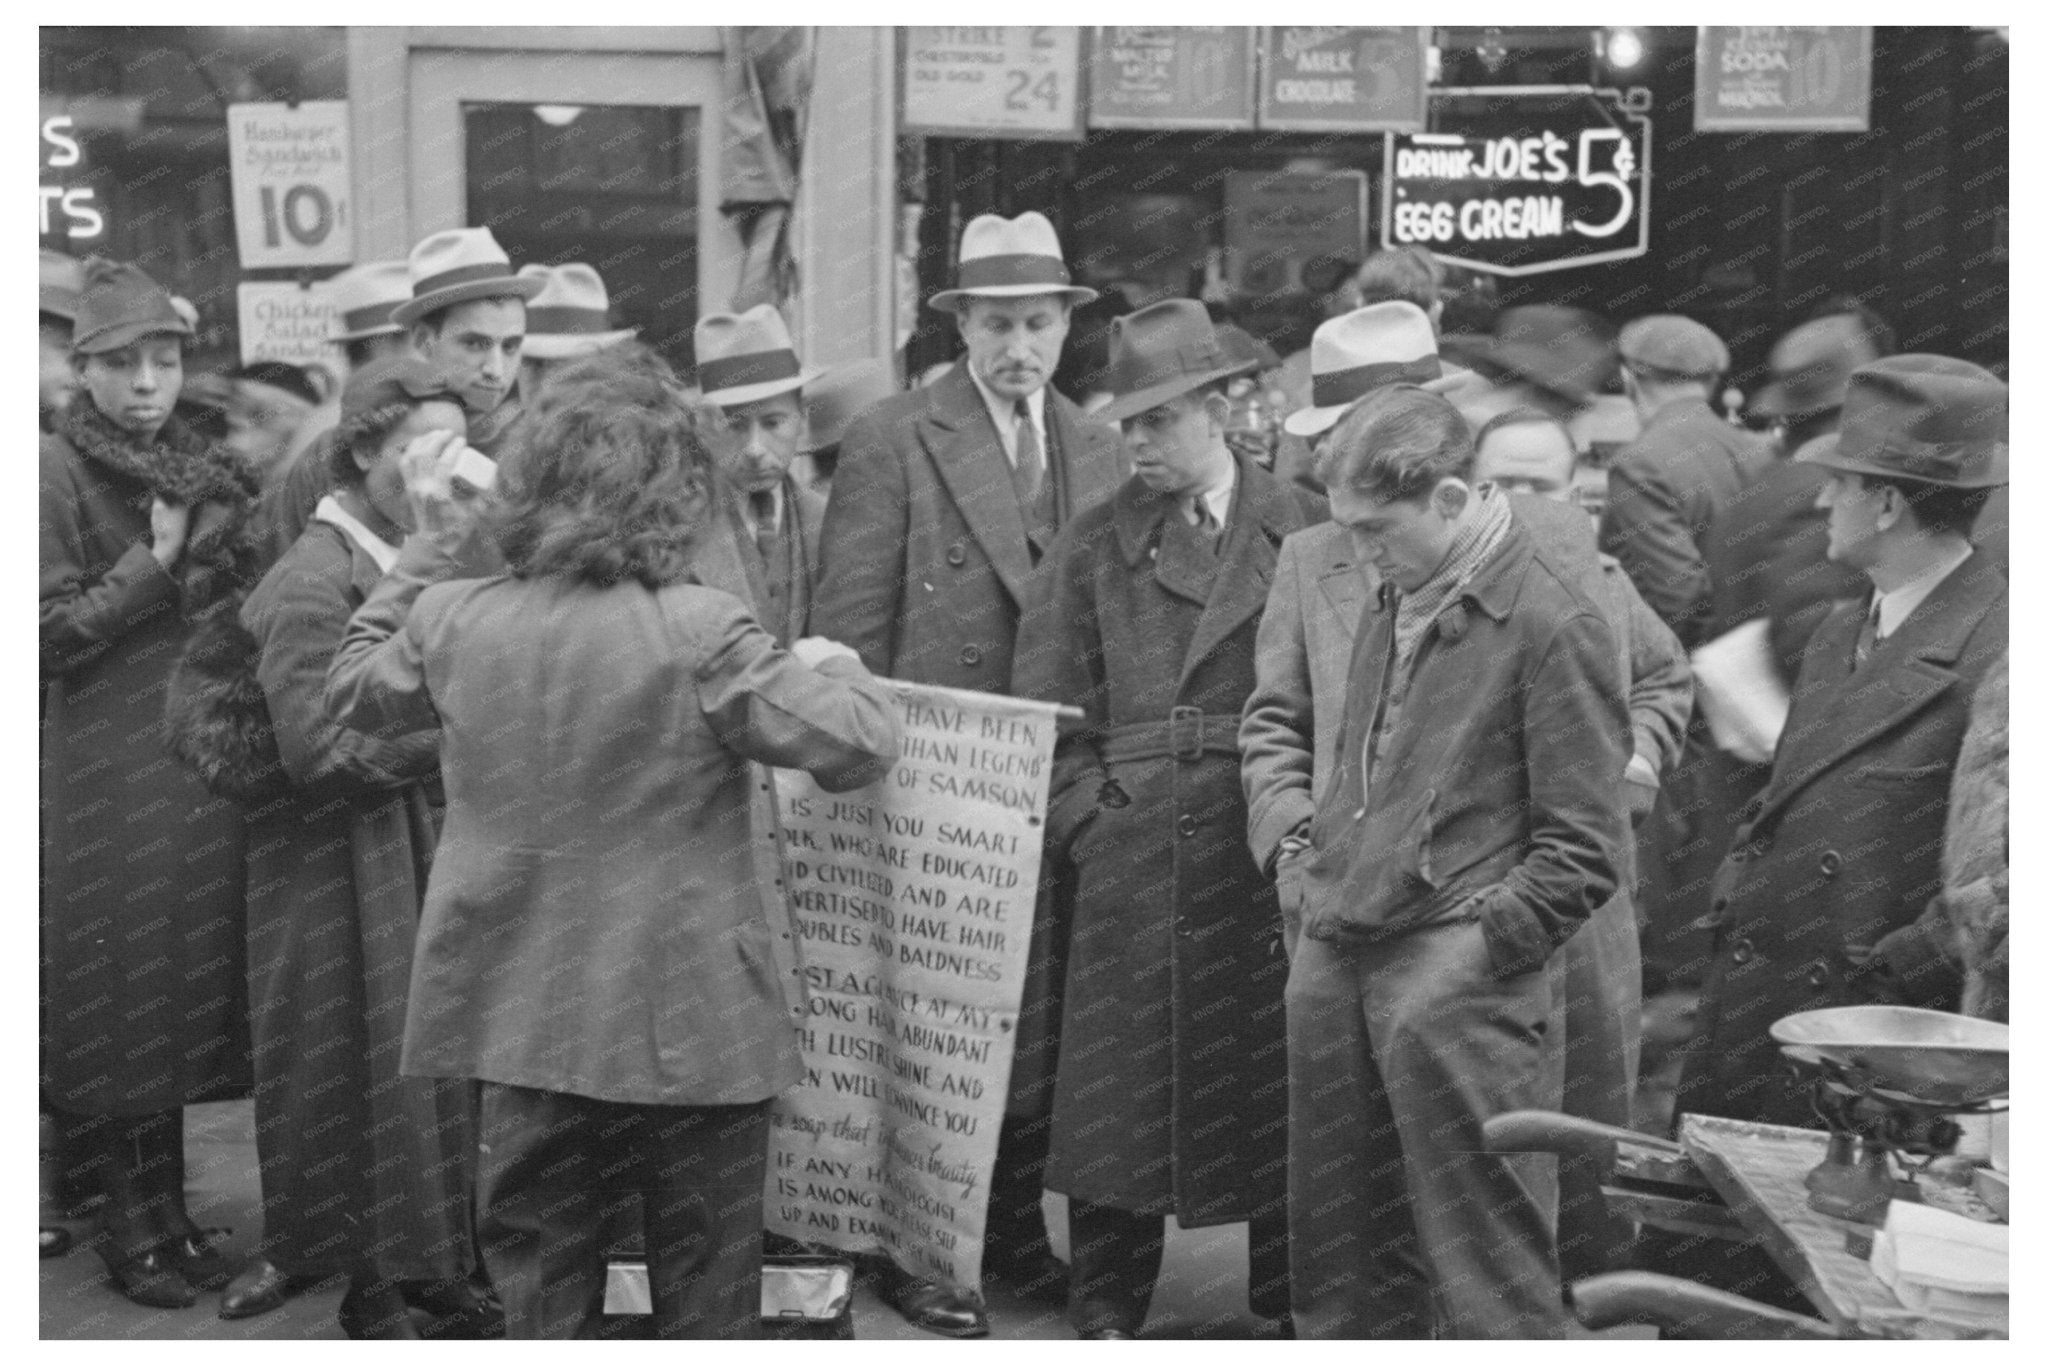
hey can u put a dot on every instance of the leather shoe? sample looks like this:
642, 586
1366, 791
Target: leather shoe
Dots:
150, 1278
460, 1310
54, 1241
199, 1258
257, 1288
934, 1308
1108, 1335
381, 1313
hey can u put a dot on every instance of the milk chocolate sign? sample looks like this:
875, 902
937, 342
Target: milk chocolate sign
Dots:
1521, 184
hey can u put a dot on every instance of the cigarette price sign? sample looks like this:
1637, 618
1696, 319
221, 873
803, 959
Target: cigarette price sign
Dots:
1522, 183
290, 170
1804, 78
999, 82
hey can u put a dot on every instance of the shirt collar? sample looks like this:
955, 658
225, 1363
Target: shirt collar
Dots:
774, 492
1219, 497
1894, 607
1003, 412
330, 511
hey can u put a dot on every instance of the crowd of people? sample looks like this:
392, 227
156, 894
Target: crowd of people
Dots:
406, 748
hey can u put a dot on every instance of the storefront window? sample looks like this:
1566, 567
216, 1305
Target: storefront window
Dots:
134, 148
614, 186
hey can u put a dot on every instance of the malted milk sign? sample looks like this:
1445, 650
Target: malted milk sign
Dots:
1796, 78
1322, 79
1521, 183
1017, 81
290, 173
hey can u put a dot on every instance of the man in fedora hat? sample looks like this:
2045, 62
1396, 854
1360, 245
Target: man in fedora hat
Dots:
1170, 1094
749, 376
460, 308
568, 319
1465, 827
363, 298
1843, 845
945, 500
467, 318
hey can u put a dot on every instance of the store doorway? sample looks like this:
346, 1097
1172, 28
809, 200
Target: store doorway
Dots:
607, 158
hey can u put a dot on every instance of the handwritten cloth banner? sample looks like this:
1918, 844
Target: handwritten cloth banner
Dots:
913, 898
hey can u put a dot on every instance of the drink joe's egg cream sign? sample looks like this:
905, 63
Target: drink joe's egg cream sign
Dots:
1518, 181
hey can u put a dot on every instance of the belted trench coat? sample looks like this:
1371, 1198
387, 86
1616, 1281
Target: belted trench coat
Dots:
1171, 1090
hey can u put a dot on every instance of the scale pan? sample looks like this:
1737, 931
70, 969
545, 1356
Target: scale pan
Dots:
1926, 1055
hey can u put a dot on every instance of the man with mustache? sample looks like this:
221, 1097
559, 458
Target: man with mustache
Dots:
944, 502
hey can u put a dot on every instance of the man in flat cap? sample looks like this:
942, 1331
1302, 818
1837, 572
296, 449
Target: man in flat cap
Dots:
1171, 1091
945, 501
1844, 843
1669, 484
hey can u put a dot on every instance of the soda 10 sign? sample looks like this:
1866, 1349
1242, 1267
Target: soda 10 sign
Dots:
1521, 183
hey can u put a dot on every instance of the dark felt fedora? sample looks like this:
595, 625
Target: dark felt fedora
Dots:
1930, 418
119, 304
1811, 365
1161, 351
1564, 351
61, 280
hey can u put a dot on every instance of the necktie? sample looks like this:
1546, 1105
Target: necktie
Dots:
763, 504
1866, 638
1027, 475
1205, 523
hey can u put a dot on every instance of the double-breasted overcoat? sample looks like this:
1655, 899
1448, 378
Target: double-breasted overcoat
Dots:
1844, 843
1171, 1091
926, 569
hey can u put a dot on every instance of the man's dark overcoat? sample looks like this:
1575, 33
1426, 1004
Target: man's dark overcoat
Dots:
926, 571
1171, 1094
1844, 843
144, 1005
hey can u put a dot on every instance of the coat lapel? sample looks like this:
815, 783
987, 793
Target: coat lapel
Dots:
718, 561
1086, 454
1906, 675
1261, 516
1346, 586
961, 440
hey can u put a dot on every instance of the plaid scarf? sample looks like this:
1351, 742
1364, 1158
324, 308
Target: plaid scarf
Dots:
1470, 549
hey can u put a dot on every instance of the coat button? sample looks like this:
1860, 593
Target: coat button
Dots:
1817, 975
956, 554
1180, 922
1720, 904
1830, 863
1743, 951
1187, 825
970, 655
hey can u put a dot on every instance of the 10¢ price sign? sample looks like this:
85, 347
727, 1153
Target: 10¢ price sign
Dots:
290, 169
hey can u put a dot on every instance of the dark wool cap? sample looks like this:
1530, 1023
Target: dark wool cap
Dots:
119, 305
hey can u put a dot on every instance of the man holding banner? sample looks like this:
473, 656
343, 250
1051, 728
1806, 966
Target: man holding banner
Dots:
1171, 1087
943, 505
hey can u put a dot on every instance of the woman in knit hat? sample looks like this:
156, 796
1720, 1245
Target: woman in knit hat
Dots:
143, 1002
